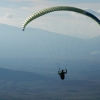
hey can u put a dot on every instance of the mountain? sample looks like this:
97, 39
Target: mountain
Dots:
20, 76
38, 43
21, 85
23, 51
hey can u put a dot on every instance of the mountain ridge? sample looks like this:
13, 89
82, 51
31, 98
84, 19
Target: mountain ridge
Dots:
38, 43
18, 76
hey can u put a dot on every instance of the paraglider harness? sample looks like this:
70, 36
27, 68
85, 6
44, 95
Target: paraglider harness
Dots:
62, 73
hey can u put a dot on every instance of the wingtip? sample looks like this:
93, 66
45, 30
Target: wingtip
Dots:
22, 29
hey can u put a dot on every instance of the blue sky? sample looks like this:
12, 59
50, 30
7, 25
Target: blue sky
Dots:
14, 12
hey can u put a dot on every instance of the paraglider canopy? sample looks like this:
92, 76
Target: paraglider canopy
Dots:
58, 8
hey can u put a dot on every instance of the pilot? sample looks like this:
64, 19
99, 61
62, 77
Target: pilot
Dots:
62, 74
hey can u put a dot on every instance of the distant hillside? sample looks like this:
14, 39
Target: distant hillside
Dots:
19, 85
39, 43
18, 76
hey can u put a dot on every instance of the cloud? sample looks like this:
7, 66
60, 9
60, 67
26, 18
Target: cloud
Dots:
8, 16
95, 52
31, 1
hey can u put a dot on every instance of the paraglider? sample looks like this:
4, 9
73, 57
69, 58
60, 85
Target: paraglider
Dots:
62, 73
58, 8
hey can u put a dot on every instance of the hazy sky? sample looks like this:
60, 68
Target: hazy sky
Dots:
14, 12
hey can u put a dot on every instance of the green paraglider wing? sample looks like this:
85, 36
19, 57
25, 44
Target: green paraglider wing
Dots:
58, 8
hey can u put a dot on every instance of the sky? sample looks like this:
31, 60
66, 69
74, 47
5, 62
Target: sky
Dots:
14, 12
